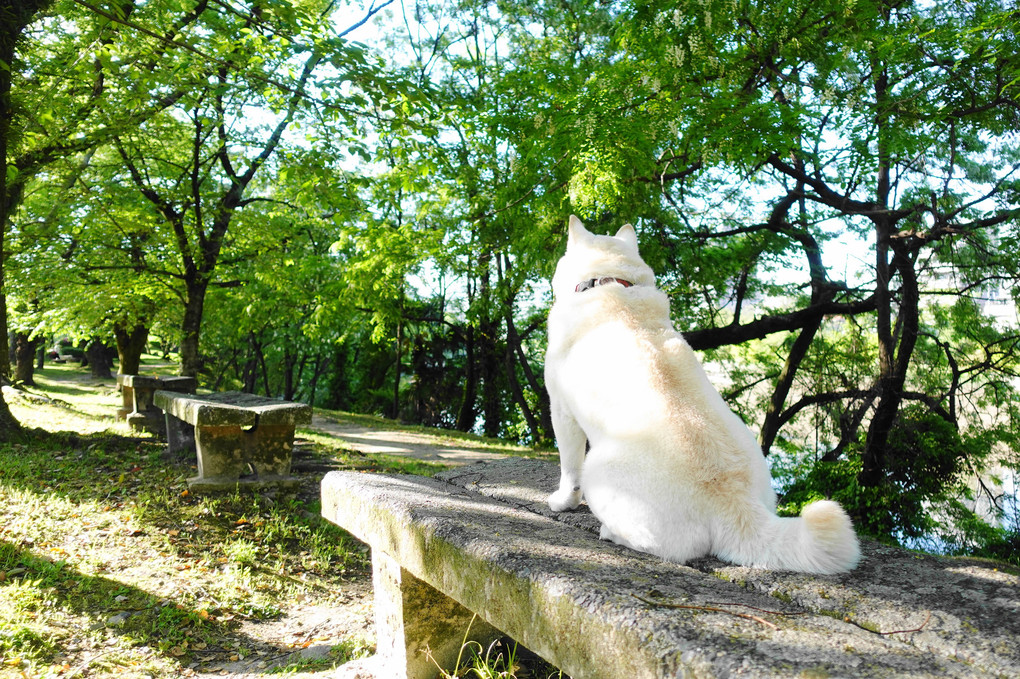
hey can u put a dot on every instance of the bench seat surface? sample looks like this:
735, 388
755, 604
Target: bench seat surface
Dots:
232, 408
484, 536
157, 381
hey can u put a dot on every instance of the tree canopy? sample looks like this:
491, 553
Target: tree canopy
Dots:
360, 204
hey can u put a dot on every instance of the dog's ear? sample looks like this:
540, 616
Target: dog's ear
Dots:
628, 235
576, 231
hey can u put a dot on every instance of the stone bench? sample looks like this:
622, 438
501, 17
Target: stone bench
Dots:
137, 407
481, 540
240, 439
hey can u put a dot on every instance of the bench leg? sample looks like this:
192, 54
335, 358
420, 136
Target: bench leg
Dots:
418, 628
144, 416
269, 448
127, 401
220, 452
180, 436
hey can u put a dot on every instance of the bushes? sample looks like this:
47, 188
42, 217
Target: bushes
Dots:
921, 499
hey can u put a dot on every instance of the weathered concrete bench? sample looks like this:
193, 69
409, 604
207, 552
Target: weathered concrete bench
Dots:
136, 394
481, 540
240, 439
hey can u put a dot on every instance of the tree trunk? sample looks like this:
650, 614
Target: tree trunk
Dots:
265, 370
466, 414
518, 395
24, 358
250, 369
99, 360
397, 369
488, 355
191, 328
338, 388
321, 365
544, 430
14, 16
893, 376
544, 408
289, 363
770, 427
130, 345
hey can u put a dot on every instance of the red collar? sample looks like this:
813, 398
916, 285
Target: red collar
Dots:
595, 282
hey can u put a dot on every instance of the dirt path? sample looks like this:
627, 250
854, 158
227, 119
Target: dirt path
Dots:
417, 445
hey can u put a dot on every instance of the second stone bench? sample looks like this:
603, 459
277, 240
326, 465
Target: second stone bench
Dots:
240, 439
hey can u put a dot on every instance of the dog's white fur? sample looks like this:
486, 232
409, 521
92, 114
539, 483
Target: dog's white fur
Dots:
671, 469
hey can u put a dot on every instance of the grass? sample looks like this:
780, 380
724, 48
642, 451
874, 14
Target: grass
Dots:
110, 566
504, 658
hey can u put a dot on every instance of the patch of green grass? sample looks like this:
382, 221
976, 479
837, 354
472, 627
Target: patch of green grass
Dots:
504, 658
103, 551
109, 565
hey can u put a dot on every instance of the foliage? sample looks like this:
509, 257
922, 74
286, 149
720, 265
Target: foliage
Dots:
367, 218
923, 500
930, 457
503, 658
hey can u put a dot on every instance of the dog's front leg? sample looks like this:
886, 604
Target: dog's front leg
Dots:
570, 440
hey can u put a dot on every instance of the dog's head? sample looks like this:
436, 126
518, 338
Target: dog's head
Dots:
595, 257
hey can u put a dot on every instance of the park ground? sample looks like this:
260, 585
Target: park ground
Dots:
110, 566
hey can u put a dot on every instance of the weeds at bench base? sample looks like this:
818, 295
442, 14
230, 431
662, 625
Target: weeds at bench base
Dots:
503, 659
506, 659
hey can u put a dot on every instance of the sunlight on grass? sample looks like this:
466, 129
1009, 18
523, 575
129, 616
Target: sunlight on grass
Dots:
66, 398
109, 565
104, 552
375, 462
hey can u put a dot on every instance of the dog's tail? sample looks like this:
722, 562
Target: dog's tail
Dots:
821, 540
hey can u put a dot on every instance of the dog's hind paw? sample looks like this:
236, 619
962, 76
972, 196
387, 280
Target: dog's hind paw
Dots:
563, 500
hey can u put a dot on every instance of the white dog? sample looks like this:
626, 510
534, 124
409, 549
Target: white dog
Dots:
671, 470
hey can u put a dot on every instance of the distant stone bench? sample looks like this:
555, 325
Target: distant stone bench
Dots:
137, 407
481, 540
240, 439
